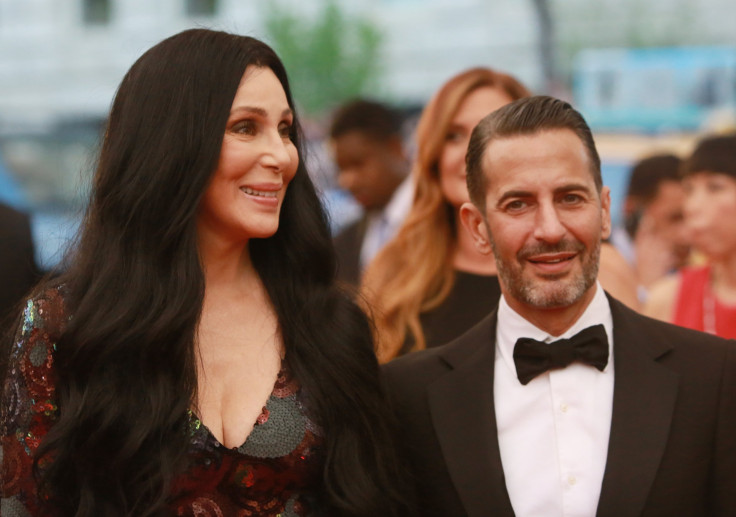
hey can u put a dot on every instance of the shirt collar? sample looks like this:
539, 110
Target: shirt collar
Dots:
400, 202
511, 326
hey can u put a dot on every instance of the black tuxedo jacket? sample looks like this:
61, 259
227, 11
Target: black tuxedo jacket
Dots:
672, 447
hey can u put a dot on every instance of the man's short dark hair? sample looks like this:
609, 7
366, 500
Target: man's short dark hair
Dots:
712, 154
373, 119
649, 172
525, 116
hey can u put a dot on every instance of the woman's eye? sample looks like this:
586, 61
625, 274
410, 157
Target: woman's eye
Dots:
715, 186
454, 136
245, 127
285, 130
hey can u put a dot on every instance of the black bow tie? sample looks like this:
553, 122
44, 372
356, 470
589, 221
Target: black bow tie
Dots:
532, 357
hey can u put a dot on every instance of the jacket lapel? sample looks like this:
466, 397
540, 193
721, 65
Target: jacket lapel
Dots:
464, 418
643, 402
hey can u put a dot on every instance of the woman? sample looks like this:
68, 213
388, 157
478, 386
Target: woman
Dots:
704, 297
430, 284
196, 358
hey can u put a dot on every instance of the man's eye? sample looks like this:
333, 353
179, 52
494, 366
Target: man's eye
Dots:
515, 205
571, 199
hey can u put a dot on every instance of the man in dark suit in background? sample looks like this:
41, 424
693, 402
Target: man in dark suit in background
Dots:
562, 401
372, 164
17, 265
18, 270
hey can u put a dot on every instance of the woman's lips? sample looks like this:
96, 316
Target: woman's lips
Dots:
265, 195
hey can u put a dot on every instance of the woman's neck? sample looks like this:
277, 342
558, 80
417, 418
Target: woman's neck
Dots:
234, 299
226, 265
467, 257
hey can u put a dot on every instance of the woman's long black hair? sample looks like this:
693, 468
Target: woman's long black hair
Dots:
134, 291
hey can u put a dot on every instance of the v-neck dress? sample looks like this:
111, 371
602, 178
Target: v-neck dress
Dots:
276, 472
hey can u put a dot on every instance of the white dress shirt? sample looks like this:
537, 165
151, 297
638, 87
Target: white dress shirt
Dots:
553, 432
381, 226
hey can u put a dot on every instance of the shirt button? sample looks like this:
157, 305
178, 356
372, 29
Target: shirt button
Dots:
571, 480
563, 407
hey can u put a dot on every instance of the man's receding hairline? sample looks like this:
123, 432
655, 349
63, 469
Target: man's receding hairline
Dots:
484, 166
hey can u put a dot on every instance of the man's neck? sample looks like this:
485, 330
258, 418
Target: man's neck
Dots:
557, 320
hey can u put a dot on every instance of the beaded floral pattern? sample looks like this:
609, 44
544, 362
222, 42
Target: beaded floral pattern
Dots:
275, 473
29, 407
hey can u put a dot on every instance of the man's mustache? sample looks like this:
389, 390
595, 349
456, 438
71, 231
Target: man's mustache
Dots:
566, 246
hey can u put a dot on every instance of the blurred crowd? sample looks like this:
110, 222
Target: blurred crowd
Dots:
394, 186
673, 256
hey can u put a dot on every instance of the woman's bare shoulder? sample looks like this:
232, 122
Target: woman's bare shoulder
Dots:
617, 276
661, 298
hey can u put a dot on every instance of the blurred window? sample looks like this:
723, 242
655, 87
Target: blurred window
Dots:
708, 91
607, 83
96, 12
51, 169
201, 7
656, 88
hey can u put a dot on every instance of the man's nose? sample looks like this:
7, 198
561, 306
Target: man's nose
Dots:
548, 226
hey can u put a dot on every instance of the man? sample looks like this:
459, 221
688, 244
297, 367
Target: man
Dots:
368, 147
17, 266
18, 272
653, 238
646, 429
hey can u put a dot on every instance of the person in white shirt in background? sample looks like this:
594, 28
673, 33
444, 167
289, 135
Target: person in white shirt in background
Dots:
366, 138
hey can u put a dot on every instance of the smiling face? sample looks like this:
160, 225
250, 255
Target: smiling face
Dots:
479, 103
710, 209
544, 221
257, 161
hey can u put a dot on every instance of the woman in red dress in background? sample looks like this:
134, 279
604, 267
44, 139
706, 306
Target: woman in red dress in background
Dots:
704, 297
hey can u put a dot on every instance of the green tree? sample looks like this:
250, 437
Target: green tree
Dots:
330, 58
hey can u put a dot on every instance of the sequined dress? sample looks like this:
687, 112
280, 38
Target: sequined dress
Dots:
276, 472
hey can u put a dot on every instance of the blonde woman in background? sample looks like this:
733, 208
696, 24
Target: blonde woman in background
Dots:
430, 284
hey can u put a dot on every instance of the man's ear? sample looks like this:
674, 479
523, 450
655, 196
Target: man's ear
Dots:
474, 222
606, 212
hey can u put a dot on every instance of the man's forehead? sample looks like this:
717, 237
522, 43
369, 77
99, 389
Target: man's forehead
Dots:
556, 152
534, 143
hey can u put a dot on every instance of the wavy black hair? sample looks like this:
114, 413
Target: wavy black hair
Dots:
134, 289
